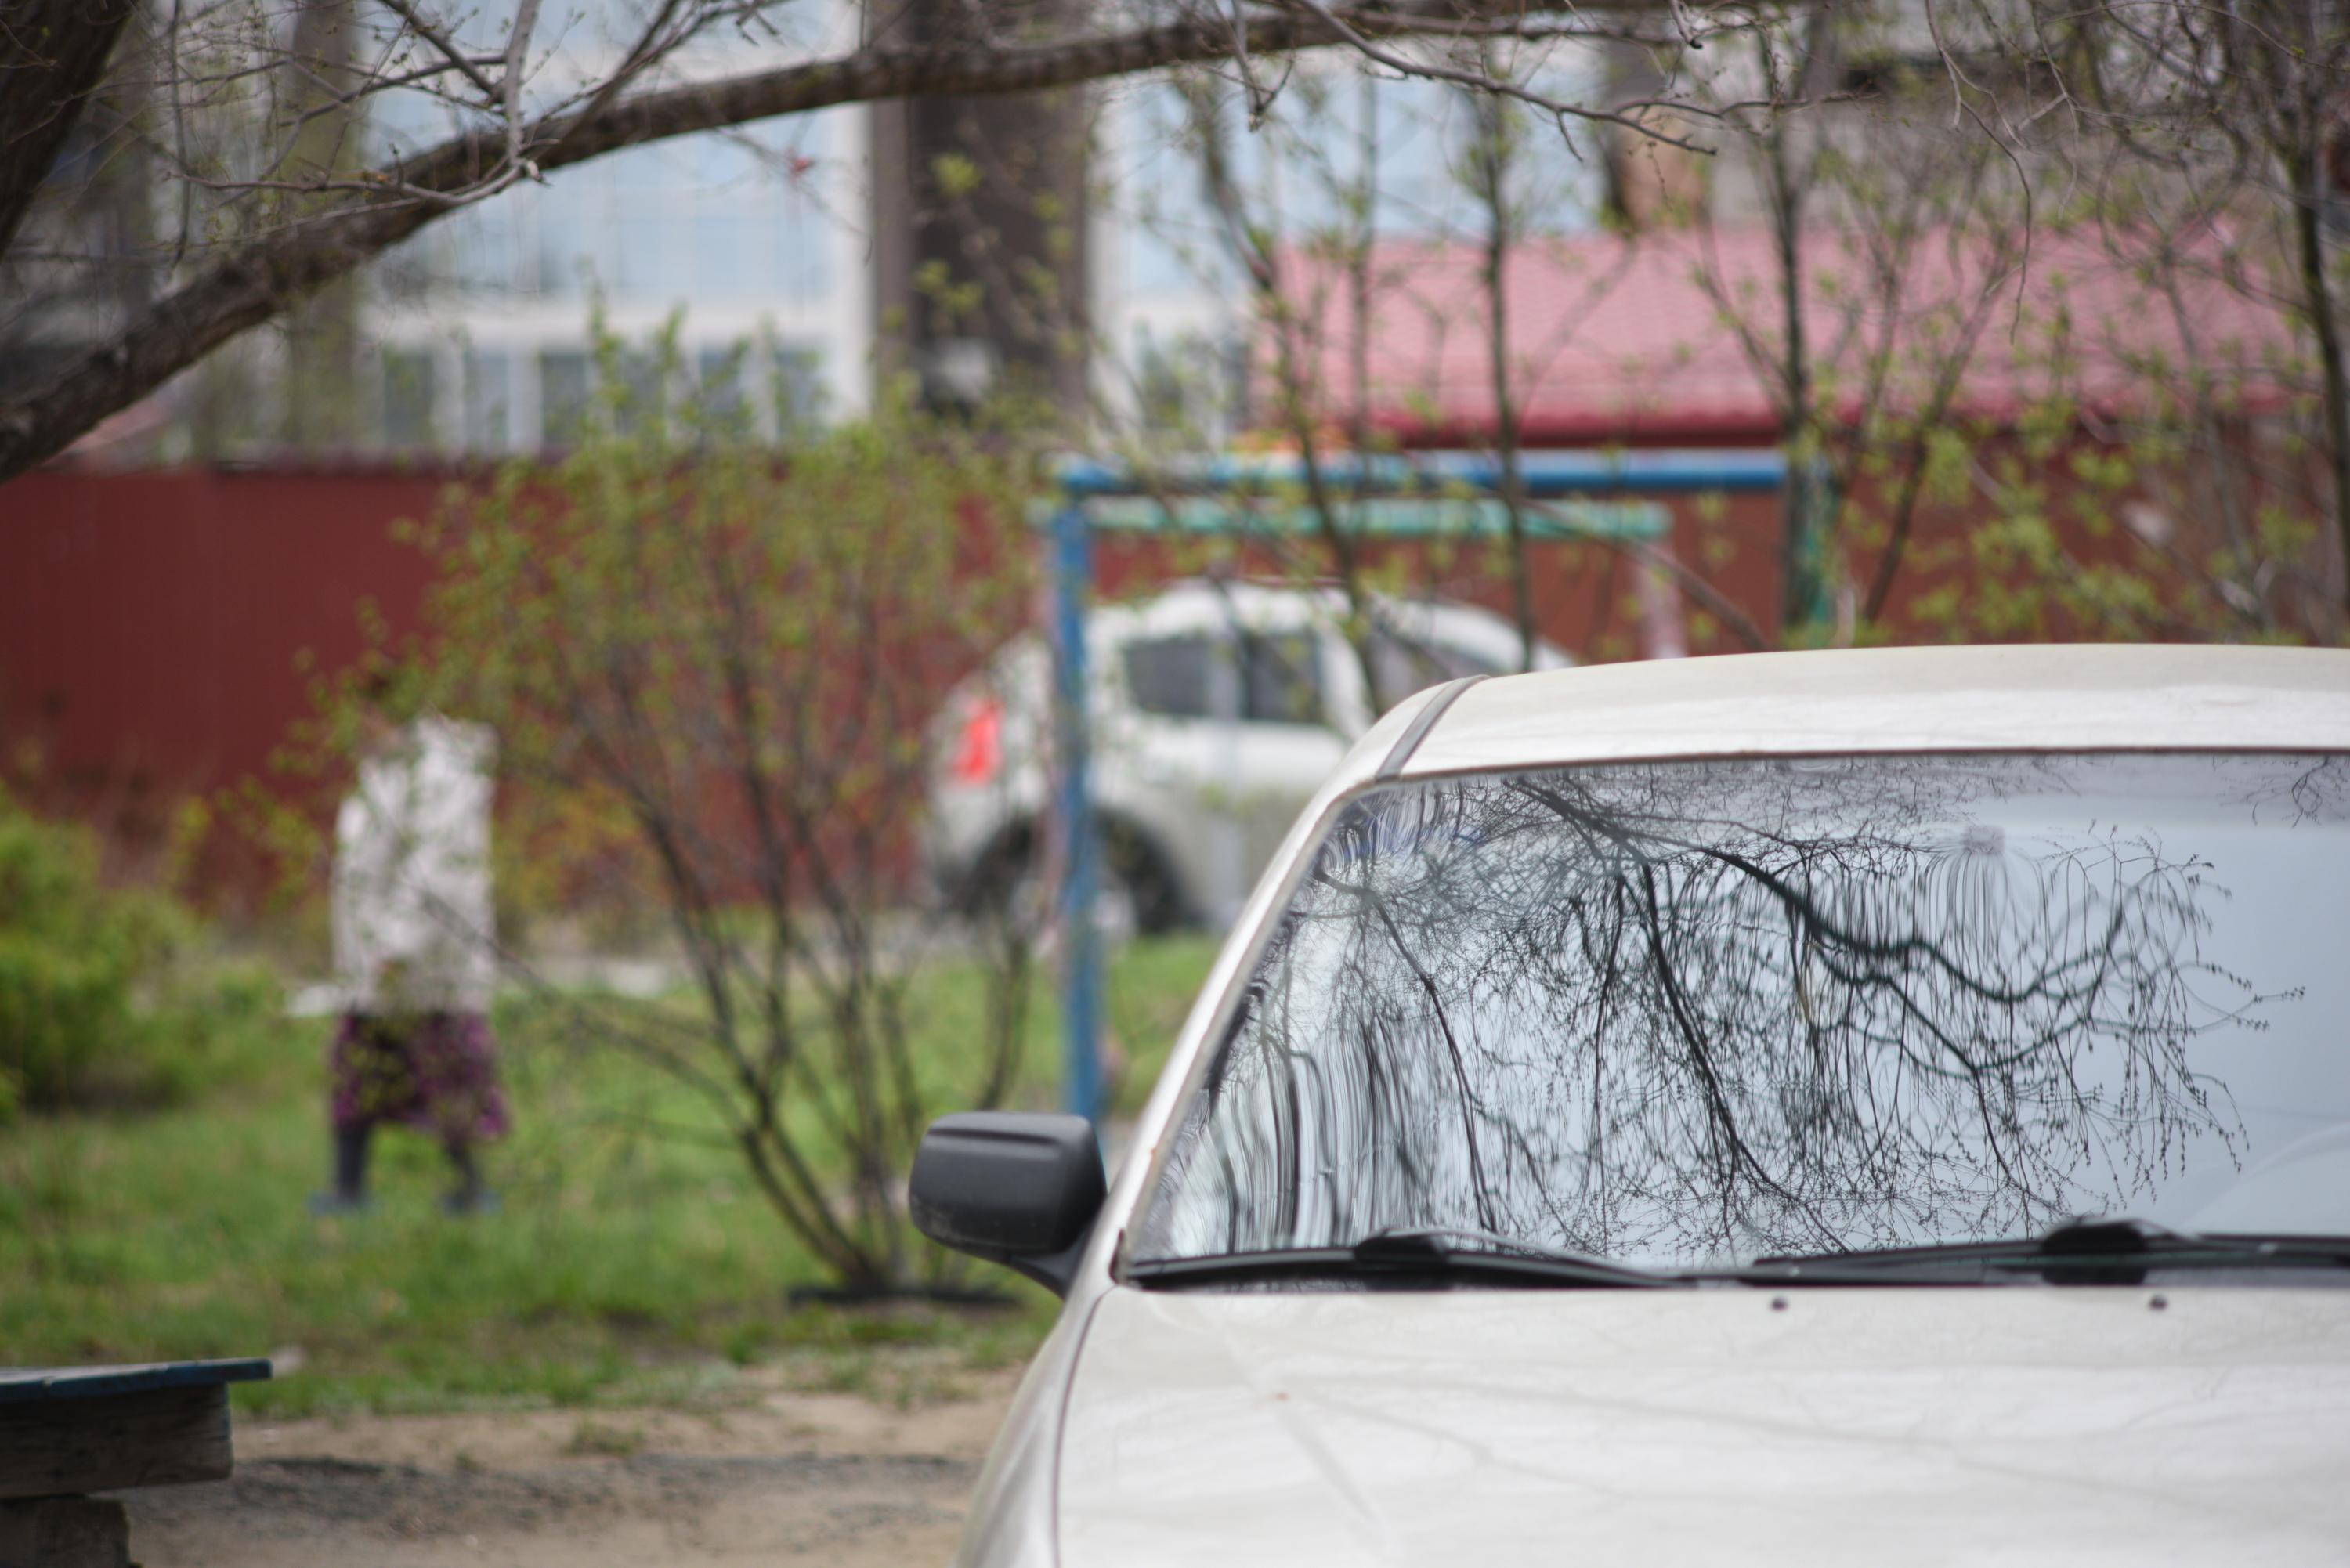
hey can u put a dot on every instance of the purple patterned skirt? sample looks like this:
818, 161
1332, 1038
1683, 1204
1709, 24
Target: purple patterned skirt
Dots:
437, 1071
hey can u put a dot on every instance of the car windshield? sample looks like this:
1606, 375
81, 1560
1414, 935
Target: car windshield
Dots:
1685, 1014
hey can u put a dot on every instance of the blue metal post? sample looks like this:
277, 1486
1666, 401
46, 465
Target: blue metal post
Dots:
1072, 573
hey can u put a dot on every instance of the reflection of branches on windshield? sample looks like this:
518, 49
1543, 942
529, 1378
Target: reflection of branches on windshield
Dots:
2315, 789
1469, 1111
1924, 954
1696, 1010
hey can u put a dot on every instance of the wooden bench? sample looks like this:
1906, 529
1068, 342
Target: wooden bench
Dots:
66, 1432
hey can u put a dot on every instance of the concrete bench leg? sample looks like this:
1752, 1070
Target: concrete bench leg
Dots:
64, 1533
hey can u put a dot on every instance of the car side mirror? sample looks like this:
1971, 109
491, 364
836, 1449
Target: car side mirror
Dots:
1016, 1187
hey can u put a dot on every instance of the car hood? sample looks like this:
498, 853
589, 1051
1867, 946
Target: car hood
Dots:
2016, 1426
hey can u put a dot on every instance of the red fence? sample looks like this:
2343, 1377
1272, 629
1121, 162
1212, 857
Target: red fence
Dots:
159, 631
155, 627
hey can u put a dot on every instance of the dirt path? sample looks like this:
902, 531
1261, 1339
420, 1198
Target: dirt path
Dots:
825, 1478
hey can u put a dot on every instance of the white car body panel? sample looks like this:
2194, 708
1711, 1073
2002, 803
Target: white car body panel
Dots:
2020, 1425
2037, 698
1844, 1426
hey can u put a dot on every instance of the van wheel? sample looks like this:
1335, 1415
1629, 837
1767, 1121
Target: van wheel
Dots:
1131, 895
1117, 909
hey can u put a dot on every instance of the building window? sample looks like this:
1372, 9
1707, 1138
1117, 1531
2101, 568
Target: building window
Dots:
643, 394
408, 389
489, 401
643, 235
562, 395
729, 257
799, 389
718, 381
574, 234
802, 237
486, 242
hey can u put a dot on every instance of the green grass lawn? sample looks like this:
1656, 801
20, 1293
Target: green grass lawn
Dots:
629, 1264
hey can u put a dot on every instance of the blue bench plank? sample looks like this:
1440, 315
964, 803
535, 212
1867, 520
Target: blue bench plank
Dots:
19, 1384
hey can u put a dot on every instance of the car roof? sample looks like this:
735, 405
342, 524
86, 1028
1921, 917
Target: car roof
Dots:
2042, 697
1190, 603
1193, 604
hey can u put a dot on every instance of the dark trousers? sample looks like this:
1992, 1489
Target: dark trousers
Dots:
351, 1165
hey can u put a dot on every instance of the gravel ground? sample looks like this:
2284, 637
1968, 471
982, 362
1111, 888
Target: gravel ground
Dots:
820, 1478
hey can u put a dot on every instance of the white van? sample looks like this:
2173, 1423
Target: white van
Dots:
1217, 709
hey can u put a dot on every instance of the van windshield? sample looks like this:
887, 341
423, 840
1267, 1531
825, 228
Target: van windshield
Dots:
1686, 1015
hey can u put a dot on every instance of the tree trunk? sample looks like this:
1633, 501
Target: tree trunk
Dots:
1798, 419
1795, 412
1493, 163
320, 410
981, 267
1358, 357
52, 53
2317, 293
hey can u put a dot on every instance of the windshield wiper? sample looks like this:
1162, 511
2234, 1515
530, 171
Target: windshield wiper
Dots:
1409, 1256
2079, 1252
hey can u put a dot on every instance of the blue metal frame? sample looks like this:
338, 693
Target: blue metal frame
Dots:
1544, 474
1080, 845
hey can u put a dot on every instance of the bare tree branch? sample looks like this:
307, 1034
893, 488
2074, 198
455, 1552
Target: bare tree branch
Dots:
439, 40
257, 278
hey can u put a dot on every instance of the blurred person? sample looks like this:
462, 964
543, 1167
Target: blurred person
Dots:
413, 939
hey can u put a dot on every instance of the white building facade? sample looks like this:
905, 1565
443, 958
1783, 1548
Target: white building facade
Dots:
758, 244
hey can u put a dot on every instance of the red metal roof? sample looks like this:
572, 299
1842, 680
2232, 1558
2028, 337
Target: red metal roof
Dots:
1623, 339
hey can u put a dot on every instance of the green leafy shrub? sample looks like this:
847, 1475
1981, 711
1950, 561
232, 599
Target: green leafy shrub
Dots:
714, 666
106, 996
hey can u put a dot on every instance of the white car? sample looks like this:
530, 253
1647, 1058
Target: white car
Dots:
1217, 709
1814, 1108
